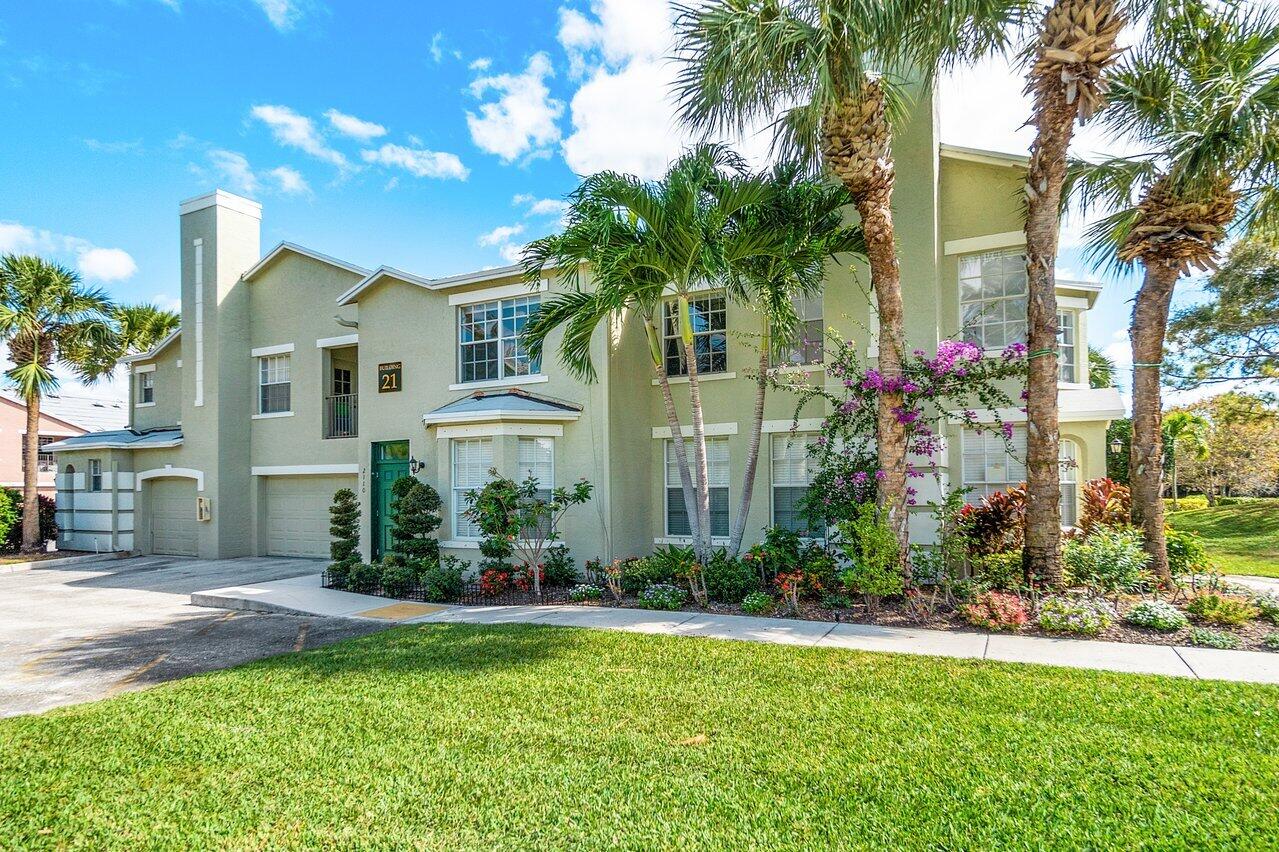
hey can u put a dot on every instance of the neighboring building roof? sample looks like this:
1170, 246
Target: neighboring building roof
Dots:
86, 413
155, 350
462, 280
499, 405
121, 439
305, 252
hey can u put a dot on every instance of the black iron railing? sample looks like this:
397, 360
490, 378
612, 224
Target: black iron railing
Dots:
341, 415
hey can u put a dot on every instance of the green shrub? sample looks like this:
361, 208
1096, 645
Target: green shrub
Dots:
397, 578
585, 592
821, 570
1213, 608
871, 549
558, 566
48, 520
1157, 615
1076, 616
639, 574
363, 577
442, 581
662, 596
728, 580
1186, 554
995, 611
415, 514
1109, 560
344, 528
10, 505
1002, 570
756, 603
1213, 639
1271, 641
836, 601
1268, 607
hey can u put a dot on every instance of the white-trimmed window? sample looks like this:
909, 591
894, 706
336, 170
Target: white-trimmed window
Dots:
1069, 478
95, 474
988, 467
146, 388
1067, 347
992, 298
717, 480
489, 345
472, 459
536, 458
792, 473
709, 316
274, 384
809, 345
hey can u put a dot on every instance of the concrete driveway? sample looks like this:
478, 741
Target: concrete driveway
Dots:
81, 632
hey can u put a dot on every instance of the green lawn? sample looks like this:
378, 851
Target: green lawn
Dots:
523, 737
1242, 538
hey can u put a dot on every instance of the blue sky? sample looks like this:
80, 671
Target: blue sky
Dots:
437, 137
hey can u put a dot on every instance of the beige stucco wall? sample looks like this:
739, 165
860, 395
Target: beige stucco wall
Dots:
167, 408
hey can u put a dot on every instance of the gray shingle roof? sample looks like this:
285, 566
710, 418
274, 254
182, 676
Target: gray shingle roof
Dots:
512, 404
123, 439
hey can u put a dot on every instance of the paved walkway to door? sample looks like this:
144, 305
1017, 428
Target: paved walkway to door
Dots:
72, 633
304, 594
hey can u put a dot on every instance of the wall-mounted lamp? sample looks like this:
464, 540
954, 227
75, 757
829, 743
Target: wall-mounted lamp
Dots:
415, 465
1116, 447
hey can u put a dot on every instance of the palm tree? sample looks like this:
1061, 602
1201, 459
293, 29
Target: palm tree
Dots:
141, 327
48, 318
1101, 369
643, 243
810, 216
830, 75
1188, 428
1204, 103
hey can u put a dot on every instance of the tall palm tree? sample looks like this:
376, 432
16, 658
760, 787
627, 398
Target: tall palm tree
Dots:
1101, 369
47, 319
645, 242
831, 76
1187, 429
809, 216
141, 327
1204, 102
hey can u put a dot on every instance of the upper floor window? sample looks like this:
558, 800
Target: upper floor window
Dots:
808, 347
489, 345
717, 472
342, 384
1067, 347
710, 342
992, 298
146, 388
274, 384
95, 474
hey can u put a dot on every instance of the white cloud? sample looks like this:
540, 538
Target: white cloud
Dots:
118, 147
437, 47
234, 168
418, 161
481, 64
512, 252
540, 206
523, 119
290, 181
356, 128
622, 31
283, 14
500, 234
167, 302
297, 131
94, 262
107, 264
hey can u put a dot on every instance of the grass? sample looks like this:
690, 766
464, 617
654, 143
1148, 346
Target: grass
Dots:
1241, 538
520, 737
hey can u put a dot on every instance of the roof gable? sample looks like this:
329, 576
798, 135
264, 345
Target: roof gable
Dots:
293, 248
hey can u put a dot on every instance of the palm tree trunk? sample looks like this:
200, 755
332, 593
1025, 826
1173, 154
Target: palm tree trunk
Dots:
1055, 125
752, 451
1172, 451
31, 541
890, 432
702, 544
1149, 323
681, 452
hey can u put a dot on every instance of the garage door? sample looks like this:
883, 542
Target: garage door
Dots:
173, 523
297, 519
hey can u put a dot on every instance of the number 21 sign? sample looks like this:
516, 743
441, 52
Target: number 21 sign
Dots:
390, 377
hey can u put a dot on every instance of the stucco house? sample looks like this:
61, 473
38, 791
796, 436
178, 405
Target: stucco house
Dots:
295, 373
61, 416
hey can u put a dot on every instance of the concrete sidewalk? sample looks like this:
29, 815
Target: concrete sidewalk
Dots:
304, 595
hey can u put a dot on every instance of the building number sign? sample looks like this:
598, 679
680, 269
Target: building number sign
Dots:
390, 377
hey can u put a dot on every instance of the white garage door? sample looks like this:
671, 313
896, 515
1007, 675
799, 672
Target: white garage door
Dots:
297, 514
173, 521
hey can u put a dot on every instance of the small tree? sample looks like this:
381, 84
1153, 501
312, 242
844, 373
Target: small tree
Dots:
344, 527
415, 514
515, 514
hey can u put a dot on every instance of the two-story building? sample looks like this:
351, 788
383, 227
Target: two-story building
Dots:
295, 374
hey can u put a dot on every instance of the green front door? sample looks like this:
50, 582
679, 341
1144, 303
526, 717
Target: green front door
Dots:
390, 462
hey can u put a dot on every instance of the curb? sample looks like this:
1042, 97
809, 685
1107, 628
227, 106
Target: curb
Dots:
246, 605
15, 567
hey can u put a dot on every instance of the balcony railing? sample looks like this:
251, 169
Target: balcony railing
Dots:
341, 415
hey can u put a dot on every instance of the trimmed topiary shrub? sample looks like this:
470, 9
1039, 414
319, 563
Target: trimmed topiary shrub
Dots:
415, 514
344, 528
1157, 615
1075, 616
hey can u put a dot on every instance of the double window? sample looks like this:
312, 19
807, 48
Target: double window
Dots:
808, 346
717, 471
988, 467
489, 344
792, 473
274, 384
708, 315
992, 298
146, 388
472, 459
